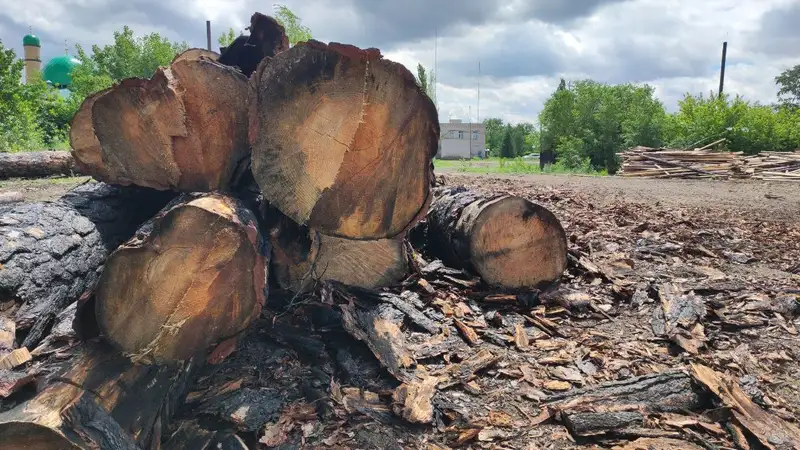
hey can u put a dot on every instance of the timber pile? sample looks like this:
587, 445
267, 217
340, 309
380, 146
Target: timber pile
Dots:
647, 162
311, 163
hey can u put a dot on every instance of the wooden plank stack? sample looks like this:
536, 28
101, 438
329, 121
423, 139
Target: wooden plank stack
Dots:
647, 162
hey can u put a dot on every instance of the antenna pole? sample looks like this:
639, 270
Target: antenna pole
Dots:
479, 92
722, 67
208, 34
435, 66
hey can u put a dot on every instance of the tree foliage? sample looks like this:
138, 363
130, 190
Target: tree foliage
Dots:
295, 30
227, 38
789, 86
426, 82
507, 144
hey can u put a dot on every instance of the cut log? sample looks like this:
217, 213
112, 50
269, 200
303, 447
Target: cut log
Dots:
194, 54
36, 165
267, 38
51, 253
507, 240
102, 401
343, 140
184, 129
193, 276
302, 258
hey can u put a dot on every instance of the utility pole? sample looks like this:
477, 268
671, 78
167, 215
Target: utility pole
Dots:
479, 92
722, 67
208, 34
435, 66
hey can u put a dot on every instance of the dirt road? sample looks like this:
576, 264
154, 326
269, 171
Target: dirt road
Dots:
773, 201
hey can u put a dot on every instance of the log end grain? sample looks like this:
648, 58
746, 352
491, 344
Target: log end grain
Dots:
337, 122
515, 243
192, 277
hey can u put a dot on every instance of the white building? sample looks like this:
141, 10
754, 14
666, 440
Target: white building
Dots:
459, 140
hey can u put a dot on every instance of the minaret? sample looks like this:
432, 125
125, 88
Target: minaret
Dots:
33, 61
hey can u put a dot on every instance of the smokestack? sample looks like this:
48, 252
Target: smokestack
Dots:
33, 58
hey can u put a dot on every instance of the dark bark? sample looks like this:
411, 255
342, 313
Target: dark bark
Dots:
36, 164
51, 253
102, 401
267, 38
507, 240
614, 406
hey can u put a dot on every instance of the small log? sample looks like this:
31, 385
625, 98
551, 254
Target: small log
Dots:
508, 241
183, 129
193, 276
102, 401
36, 165
624, 404
51, 253
194, 54
343, 140
267, 38
302, 258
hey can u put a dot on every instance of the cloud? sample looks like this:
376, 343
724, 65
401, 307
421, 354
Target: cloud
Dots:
523, 46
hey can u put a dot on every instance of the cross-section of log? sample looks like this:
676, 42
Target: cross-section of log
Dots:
507, 240
194, 54
343, 141
183, 129
101, 401
51, 253
191, 277
302, 257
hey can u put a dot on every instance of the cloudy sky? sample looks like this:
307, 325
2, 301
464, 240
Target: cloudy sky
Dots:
523, 46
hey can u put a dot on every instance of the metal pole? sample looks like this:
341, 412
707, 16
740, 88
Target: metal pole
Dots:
722, 67
208, 34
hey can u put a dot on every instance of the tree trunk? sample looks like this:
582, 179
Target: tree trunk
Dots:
51, 253
302, 257
184, 129
507, 240
267, 38
102, 401
36, 165
343, 140
191, 277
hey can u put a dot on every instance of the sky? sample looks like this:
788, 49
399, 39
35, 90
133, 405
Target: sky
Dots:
523, 47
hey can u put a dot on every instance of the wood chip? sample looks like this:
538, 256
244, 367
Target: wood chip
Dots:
11, 382
467, 332
16, 358
521, 337
412, 401
555, 385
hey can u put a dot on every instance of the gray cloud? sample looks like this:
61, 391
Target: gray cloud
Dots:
563, 11
779, 33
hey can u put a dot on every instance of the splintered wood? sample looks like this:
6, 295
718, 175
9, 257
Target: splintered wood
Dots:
702, 163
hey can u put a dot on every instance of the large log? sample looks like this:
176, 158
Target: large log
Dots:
507, 240
302, 258
36, 165
183, 129
102, 401
51, 253
343, 140
192, 276
267, 38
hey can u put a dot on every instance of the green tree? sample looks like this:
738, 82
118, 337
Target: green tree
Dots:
295, 30
494, 133
507, 145
129, 56
426, 82
227, 38
789, 86
18, 128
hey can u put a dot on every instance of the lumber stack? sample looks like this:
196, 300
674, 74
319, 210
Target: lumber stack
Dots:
647, 162
278, 166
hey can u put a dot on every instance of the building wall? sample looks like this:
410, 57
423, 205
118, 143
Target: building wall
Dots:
462, 140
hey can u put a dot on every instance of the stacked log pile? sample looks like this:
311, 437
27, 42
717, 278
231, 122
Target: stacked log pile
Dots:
647, 162
311, 163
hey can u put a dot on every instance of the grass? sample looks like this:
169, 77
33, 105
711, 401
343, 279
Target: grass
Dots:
511, 166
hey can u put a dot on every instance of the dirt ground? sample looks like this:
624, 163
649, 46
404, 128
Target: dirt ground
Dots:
673, 274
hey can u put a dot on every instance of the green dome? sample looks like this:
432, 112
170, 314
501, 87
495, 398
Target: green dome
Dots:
58, 71
30, 39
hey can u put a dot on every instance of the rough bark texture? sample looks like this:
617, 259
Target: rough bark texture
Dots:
51, 253
343, 140
507, 240
183, 129
102, 401
36, 164
191, 277
267, 38
301, 258
625, 404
